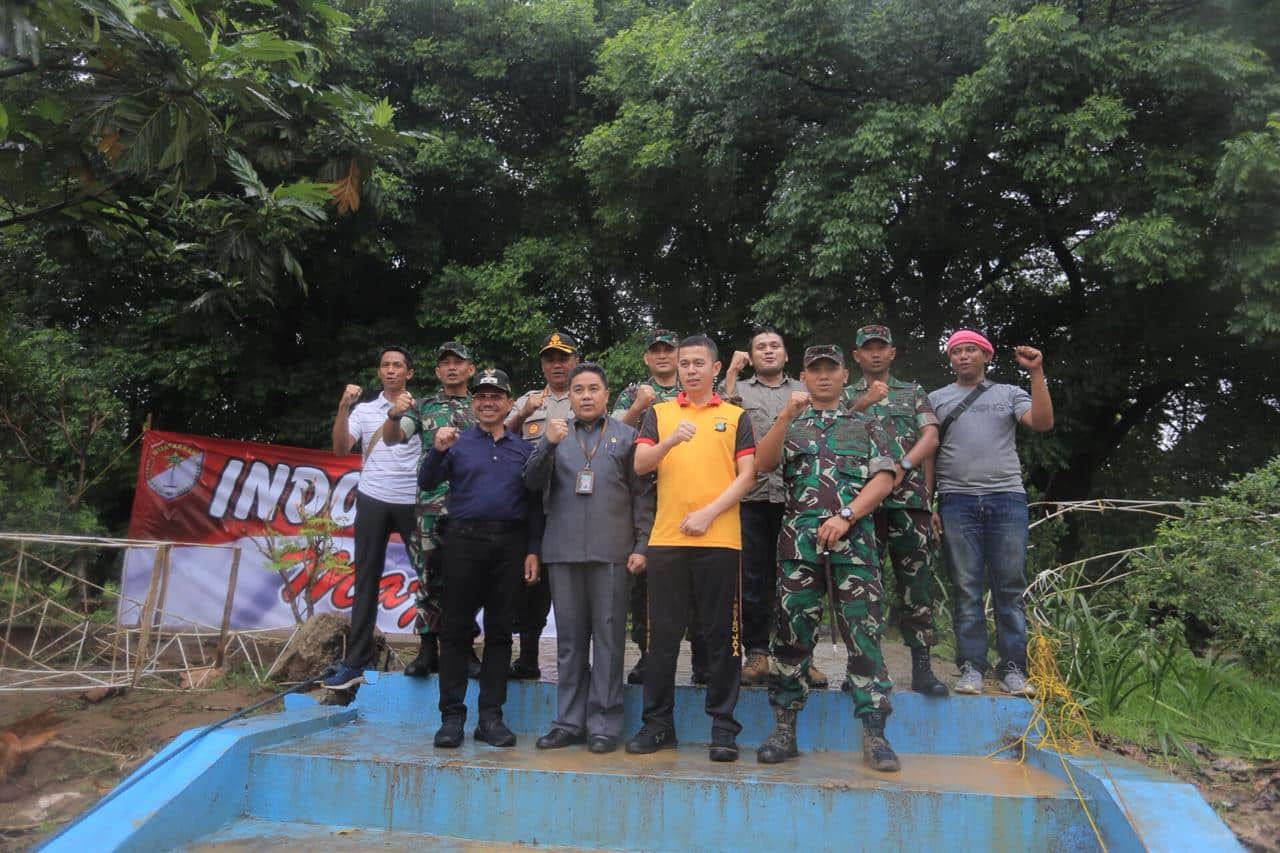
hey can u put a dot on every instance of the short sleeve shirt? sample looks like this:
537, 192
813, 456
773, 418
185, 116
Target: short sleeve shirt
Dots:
763, 403
979, 453
628, 395
390, 472
903, 414
827, 458
695, 472
552, 408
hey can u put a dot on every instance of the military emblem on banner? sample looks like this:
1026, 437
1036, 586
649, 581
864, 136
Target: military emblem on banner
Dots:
173, 469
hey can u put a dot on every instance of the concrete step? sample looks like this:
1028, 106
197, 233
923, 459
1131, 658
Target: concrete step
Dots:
249, 835
384, 775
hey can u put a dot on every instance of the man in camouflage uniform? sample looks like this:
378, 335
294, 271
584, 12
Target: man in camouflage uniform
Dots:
637, 398
902, 521
450, 406
837, 467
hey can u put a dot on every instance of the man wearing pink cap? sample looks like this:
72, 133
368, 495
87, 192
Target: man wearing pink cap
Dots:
982, 504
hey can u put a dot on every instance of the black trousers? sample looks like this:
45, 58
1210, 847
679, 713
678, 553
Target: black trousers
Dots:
761, 524
532, 604
483, 567
640, 622
375, 522
714, 574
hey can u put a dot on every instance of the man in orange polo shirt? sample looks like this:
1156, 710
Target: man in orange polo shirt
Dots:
703, 451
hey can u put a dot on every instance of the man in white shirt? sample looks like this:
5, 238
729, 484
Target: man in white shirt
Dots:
384, 499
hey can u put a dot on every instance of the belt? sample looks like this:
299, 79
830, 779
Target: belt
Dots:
482, 527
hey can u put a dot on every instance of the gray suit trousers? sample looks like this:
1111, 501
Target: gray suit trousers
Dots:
591, 616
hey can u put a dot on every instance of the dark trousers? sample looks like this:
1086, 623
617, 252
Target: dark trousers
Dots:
375, 522
483, 567
715, 577
761, 523
640, 622
532, 604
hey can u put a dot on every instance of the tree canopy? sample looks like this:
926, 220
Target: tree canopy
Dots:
213, 213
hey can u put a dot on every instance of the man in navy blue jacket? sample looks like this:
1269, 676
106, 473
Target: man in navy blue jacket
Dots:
492, 540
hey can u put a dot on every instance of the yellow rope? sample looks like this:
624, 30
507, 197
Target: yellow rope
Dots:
1056, 717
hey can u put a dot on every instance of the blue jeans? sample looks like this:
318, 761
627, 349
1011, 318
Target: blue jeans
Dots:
985, 537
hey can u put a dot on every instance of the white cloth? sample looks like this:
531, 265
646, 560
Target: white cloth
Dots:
390, 473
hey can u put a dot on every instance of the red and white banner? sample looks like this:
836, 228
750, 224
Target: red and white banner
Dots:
214, 491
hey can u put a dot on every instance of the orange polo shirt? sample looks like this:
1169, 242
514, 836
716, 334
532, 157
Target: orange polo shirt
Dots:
695, 472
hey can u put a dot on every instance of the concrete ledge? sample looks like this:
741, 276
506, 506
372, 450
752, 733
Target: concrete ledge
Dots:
196, 792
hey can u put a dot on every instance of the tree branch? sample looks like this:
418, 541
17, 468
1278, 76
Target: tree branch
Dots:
54, 208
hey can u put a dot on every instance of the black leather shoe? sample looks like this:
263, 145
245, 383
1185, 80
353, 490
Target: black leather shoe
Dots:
449, 736
651, 739
601, 744
428, 659
558, 739
522, 670
724, 746
473, 664
495, 733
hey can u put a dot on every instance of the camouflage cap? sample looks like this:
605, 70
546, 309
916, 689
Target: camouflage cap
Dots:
873, 333
821, 351
662, 336
453, 347
560, 342
491, 377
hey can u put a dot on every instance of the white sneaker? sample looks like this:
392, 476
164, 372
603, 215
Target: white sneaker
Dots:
970, 680
1015, 683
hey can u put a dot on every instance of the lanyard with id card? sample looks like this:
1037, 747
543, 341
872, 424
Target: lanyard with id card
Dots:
586, 480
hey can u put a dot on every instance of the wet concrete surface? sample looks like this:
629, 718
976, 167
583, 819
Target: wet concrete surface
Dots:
248, 835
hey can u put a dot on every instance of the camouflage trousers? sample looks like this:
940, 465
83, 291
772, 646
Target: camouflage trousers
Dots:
427, 598
802, 586
907, 536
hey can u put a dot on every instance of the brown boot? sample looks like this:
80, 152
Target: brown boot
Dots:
876, 751
756, 669
817, 678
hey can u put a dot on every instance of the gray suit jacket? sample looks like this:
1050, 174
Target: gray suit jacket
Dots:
611, 522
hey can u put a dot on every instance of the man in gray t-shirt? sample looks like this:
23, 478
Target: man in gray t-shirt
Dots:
982, 505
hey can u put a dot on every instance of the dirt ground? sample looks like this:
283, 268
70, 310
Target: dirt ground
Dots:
98, 743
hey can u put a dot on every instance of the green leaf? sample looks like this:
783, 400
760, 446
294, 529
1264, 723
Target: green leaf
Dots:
383, 113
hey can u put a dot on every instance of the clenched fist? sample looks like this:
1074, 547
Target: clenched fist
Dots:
534, 402
798, 403
557, 429
402, 404
446, 437
350, 395
739, 361
876, 392
1029, 358
645, 395
684, 432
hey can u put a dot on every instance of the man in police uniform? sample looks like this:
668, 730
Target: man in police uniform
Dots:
903, 521
450, 406
837, 467
663, 384
529, 418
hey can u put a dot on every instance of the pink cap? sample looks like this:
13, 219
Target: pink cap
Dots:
969, 336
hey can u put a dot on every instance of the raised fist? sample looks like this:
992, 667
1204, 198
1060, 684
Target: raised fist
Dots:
446, 437
739, 361
798, 403
684, 431
557, 429
1029, 358
645, 395
534, 402
350, 395
402, 404
876, 392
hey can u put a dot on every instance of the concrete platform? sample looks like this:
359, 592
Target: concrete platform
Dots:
250, 836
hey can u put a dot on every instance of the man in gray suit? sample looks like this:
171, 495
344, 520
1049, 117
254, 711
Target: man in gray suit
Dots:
599, 512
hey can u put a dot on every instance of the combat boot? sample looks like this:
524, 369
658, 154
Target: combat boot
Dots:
428, 659
817, 678
876, 751
756, 669
781, 743
922, 678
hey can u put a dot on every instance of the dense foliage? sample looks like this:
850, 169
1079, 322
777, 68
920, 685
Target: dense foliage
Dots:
211, 213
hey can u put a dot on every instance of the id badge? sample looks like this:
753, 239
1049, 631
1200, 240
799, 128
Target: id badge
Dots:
586, 482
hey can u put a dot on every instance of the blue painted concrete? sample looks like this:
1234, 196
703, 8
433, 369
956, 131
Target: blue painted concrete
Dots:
969, 725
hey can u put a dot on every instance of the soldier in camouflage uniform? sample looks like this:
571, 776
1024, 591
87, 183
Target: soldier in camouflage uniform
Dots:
902, 521
637, 398
837, 467
450, 406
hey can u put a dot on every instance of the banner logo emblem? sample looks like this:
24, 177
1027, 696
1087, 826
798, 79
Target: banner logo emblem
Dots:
172, 469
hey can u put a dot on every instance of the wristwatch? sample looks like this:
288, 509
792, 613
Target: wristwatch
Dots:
846, 513
906, 464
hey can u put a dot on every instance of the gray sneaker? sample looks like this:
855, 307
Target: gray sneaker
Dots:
1015, 683
970, 680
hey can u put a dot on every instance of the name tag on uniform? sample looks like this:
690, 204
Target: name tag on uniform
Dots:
586, 482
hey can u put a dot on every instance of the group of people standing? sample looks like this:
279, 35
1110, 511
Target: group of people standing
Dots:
714, 507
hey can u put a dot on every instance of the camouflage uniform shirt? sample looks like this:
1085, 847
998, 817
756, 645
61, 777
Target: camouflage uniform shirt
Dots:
904, 413
827, 458
628, 395
438, 410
